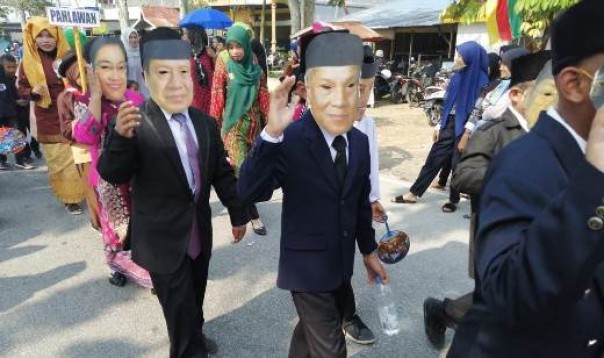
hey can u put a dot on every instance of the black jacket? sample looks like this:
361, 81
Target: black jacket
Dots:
162, 202
8, 96
320, 222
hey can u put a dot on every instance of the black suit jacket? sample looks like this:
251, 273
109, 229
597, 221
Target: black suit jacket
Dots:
539, 261
162, 202
320, 221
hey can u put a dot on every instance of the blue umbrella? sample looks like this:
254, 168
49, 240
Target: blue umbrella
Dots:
206, 17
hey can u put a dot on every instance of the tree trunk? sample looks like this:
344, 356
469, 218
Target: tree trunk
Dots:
123, 15
308, 13
263, 23
23, 17
294, 11
182, 4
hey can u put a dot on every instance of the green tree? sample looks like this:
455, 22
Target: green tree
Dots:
537, 15
24, 7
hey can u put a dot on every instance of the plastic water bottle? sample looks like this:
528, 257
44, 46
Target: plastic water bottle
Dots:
386, 308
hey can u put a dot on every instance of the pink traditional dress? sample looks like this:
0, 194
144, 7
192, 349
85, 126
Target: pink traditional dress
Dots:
114, 200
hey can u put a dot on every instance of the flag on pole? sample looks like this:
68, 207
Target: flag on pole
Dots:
503, 22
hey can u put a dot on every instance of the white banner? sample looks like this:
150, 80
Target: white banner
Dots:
68, 17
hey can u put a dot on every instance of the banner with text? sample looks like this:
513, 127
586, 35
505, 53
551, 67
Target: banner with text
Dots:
68, 17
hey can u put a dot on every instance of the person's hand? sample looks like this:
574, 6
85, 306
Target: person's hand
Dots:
280, 112
93, 82
594, 152
128, 118
379, 214
374, 269
40, 90
463, 141
435, 135
238, 233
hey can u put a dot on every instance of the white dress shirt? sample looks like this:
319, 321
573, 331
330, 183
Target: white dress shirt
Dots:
181, 145
328, 139
367, 126
520, 118
582, 143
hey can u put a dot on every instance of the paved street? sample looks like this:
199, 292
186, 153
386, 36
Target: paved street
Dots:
56, 301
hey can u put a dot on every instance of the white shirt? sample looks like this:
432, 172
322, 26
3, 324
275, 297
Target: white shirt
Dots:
181, 145
367, 126
328, 138
582, 143
520, 118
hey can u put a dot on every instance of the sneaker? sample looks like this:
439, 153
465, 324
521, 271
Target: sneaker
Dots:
358, 332
24, 165
73, 209
38, 154
4, 166
435, 322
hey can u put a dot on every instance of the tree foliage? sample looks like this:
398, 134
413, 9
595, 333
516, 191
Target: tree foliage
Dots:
33, 7
537, 15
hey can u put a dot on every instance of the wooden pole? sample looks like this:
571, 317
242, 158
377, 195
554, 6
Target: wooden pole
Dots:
81, 62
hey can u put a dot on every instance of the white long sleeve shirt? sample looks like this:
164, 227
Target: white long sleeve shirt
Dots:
367, 126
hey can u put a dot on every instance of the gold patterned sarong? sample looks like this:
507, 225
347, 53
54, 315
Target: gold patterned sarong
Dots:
63, 174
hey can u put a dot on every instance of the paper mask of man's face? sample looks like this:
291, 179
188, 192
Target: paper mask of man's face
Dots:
170, 84
333, 97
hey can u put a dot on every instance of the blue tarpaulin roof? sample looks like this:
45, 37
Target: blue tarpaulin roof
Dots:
401, 13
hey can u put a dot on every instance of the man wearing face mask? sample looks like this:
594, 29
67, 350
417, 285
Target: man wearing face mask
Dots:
322, 165
540, 243
172, 153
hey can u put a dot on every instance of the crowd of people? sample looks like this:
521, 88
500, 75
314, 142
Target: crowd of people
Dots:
167, 116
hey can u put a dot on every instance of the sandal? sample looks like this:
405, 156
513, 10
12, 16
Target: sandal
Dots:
438, 187
449, 207
401, 200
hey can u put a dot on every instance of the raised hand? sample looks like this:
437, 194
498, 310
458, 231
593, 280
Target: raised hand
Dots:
128, 118
94, 85
280, 112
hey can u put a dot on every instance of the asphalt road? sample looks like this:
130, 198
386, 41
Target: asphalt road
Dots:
55, 300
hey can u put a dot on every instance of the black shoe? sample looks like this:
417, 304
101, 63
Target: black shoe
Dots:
358, 332
117, 279
73, 209
211, 346
258, 227
38, 154
435, 322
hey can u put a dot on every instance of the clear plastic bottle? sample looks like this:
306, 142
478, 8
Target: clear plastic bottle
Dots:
386, 308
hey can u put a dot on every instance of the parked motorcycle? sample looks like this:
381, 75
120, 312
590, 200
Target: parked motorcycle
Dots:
434, 99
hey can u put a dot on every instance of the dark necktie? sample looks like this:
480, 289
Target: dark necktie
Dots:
194, 248
339, 144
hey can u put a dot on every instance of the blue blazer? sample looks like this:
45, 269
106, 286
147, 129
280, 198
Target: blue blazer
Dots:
539, 253
320, 221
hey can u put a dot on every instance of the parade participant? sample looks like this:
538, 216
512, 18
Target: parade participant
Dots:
9, 109
240, 103
322, 165
218, 44
172, 154
69, 71
202, 68
132, 85
540, 242
130, 39
471, 64
38, 81
484, 144
92, 114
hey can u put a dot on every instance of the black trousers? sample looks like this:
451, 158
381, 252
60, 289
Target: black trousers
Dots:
319, 329
181, 297
444, 150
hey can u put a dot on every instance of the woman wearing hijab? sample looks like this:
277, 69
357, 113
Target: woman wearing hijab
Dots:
471, 64
39, 82
202, 68
240, 102
107, 85
130, 40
